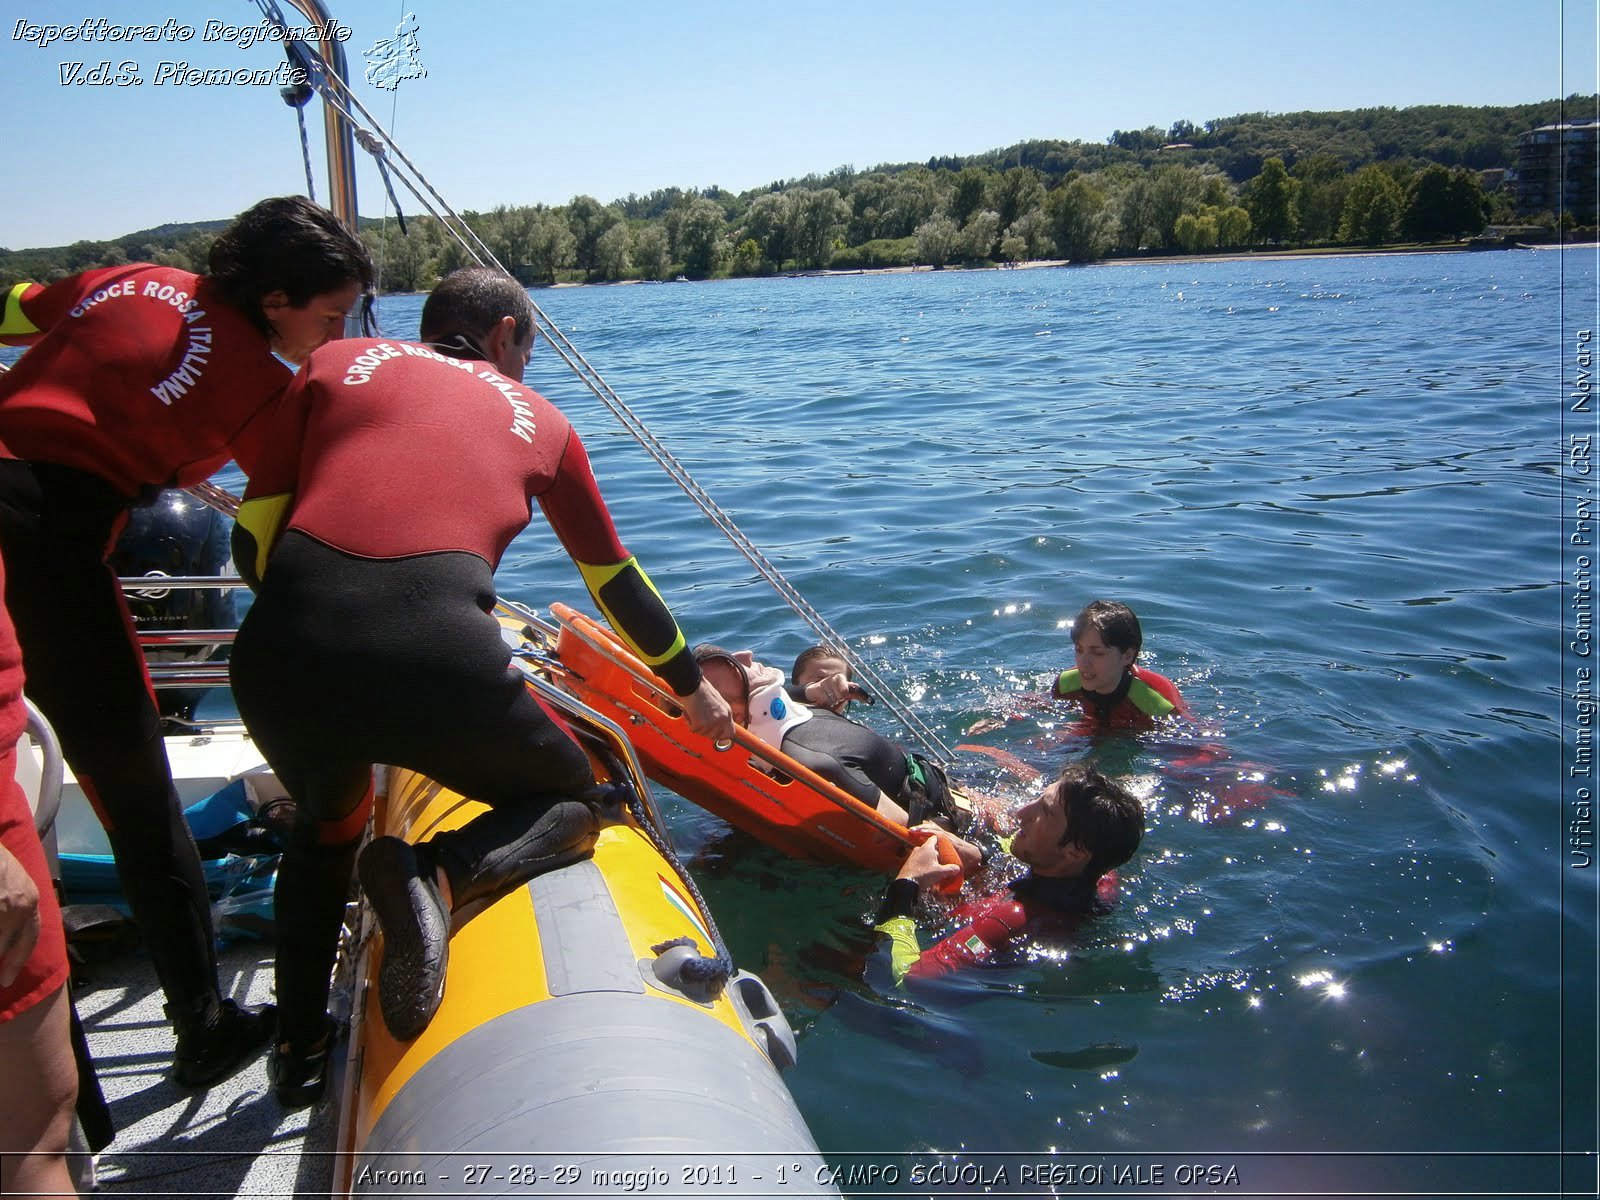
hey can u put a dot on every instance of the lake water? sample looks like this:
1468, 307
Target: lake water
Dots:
1347, 499
1341, 494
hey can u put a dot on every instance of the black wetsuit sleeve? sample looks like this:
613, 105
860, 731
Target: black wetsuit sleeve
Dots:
831, 769
899, 901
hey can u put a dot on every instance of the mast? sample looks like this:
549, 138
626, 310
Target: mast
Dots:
337, 133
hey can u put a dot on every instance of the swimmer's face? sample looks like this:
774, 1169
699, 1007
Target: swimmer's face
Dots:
820, 668
1100, 666
1043, 840
729, 681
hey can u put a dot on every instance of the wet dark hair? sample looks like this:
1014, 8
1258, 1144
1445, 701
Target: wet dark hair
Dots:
1102, 816
285, 244
810, 655
472, 301
1113, 621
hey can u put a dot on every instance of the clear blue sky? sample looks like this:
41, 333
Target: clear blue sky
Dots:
538, 102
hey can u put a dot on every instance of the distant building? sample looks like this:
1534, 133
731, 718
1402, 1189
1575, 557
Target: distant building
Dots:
1556, 170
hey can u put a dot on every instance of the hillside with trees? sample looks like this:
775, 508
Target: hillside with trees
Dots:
1367, 177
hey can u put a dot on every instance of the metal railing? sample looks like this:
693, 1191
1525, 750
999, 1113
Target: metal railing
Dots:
164, 675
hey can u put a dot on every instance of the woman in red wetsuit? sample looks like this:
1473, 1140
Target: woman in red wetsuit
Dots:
136, 378
1071, 838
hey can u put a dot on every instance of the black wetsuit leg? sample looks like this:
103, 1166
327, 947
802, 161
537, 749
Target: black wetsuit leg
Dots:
86, 674
344, 662
312, 889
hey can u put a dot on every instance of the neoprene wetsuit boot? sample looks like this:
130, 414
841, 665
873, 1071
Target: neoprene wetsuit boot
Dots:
483, 860
399, 883
216, 1037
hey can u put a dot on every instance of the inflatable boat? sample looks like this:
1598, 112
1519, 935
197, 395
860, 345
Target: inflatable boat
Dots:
594, 1037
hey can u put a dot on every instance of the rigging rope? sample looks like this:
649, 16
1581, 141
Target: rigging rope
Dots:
338, 94
305, 151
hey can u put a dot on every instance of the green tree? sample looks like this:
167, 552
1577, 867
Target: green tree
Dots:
1135, 208
867, 197
747, 258
551, 246
1195, 233
589, 219
1017, 193
611, 253
172, 258
701, 244
970, 194
936, 241
404, 262
197, 246
1233, 226
1033, 229
1427, 213
81, 256
913, 197
1323, 185
1271, 202
816, 219
649, 251
1080, 219
1372, 208
1468, 207
1175, 191
977, 237
769, 222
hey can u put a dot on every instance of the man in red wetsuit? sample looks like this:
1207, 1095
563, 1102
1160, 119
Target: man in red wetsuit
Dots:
1071, 838
1113, 693
371, 641
136, 378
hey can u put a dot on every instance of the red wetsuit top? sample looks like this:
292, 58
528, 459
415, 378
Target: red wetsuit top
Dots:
1032, 908
46, 969
450, 447
142, 375
1143, 698
404, 451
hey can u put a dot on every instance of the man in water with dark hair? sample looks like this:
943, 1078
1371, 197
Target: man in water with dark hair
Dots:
141, 377
1070, 837
372, 543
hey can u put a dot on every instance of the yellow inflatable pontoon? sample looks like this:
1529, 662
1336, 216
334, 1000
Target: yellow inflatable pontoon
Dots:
593, 1038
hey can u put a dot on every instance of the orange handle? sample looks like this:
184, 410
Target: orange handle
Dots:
947, 854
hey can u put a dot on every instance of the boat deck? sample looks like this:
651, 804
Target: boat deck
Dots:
233, 1139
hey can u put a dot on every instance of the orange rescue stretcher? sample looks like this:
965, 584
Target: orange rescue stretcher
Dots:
751, 785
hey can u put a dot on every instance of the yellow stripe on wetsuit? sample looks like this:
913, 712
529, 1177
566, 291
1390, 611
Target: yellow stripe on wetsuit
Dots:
1140, 694
255, 531
633, 607
14, 322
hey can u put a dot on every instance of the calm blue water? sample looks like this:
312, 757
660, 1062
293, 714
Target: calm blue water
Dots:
1332, 490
